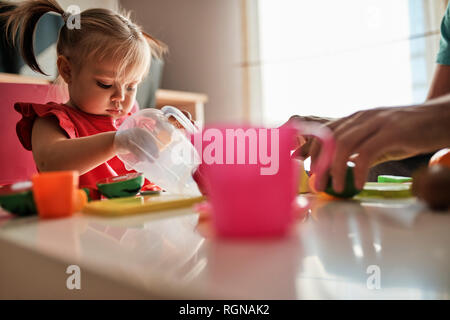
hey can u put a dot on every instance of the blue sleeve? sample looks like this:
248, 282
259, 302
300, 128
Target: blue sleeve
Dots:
443, 56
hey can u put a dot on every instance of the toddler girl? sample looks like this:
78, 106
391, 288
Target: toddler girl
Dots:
102, 62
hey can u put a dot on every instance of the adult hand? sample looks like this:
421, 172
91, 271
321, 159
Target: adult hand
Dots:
305, 144
377, 135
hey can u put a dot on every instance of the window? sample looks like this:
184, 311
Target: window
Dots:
332, 58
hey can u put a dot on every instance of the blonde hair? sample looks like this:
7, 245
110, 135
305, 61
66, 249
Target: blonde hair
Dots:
103, 34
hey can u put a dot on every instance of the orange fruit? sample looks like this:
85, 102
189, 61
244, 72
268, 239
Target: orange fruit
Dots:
441, 157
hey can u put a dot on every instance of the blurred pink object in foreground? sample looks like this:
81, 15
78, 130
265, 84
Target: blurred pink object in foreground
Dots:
253, 198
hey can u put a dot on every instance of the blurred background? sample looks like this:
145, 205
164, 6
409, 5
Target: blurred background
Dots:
262, 61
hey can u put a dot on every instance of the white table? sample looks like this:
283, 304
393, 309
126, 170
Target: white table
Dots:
331, 254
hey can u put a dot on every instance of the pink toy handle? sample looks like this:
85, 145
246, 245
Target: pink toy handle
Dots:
326, 137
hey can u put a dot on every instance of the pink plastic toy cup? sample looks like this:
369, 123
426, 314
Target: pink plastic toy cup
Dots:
252, 186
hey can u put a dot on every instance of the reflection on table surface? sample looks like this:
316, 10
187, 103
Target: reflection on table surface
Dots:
330, 253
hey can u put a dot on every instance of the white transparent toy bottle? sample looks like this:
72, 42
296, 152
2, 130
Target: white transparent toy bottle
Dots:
172, 168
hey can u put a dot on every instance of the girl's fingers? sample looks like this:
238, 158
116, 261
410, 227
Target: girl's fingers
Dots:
187, 114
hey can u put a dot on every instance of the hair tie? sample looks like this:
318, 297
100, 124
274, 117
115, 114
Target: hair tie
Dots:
66, 15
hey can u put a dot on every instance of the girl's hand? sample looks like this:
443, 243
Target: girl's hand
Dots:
178, 125
139, 142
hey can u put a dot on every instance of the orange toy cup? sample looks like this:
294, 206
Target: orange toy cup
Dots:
56, 194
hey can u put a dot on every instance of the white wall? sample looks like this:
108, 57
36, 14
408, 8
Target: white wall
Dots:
204, 39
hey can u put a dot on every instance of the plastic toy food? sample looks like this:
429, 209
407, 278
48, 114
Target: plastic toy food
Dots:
122, 186
441, 157
150, 189
432, 184
92, 193
349, 190
17, 198
386, 190
394, 179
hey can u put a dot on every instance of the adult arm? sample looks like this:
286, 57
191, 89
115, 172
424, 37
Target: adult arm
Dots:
440, 84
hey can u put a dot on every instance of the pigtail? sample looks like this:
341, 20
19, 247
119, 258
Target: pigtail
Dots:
22, 19
158, 48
